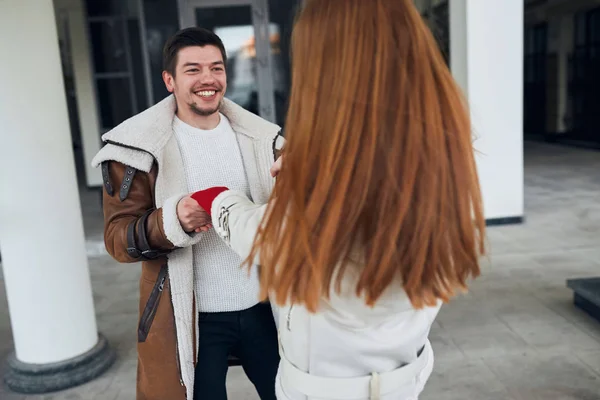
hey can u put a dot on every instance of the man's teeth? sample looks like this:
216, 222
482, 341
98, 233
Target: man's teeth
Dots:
206, 93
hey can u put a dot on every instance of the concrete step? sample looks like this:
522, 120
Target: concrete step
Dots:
586, 295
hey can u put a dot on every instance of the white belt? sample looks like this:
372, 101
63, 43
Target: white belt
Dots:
365, 387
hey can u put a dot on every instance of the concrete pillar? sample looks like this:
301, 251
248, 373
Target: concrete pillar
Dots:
41, 230
486, 58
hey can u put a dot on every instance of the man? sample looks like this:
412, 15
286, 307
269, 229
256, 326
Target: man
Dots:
197, 305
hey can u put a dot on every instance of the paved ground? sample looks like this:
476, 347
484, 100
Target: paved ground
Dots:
515, 336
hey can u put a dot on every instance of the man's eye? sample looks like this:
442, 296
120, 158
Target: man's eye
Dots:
192, 70
218, 69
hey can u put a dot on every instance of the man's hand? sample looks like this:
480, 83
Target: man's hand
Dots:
192, 217
276, 167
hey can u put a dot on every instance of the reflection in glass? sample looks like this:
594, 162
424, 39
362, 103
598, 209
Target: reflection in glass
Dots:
161, 22
242, 81
114, 98
234, 26
108, 46
282, 15
137, 66
97, 8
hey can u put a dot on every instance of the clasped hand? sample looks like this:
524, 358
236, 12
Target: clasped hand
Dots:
194, 218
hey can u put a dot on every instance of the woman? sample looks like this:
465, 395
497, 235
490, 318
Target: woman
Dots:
376, 216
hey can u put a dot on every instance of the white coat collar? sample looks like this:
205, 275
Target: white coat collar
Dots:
151, 129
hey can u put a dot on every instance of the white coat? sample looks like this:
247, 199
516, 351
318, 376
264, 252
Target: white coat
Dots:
347, 350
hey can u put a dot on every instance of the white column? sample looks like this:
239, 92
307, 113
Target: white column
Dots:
41, 230
486, 50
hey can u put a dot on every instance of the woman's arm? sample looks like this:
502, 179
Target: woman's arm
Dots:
235, 218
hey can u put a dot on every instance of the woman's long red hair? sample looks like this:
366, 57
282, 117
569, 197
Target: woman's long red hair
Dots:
379, 158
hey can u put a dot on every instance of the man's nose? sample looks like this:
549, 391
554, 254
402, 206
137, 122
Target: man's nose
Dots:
207, 77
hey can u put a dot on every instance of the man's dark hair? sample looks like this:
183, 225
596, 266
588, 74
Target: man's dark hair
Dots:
189, 37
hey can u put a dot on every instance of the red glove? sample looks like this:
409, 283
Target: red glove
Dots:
206, 197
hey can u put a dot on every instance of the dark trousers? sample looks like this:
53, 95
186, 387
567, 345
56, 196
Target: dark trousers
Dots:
249, 335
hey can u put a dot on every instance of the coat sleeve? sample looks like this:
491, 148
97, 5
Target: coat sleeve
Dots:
121, 211
134, 230
236, 220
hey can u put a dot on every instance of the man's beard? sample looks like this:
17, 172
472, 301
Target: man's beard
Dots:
203, 111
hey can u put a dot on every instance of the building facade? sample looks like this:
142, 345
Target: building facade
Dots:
561, 60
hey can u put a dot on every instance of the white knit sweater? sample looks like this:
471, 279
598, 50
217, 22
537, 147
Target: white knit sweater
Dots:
212, 158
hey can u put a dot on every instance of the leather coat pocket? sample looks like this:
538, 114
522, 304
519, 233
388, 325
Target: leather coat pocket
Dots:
152, 305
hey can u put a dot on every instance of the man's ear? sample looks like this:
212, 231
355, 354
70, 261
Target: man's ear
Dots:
169, 81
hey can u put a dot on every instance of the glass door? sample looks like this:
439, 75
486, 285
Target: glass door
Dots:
119, 71
249, 41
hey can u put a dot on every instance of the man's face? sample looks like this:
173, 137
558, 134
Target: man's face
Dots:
200, 80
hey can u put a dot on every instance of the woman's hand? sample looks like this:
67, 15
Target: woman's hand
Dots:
276, 167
